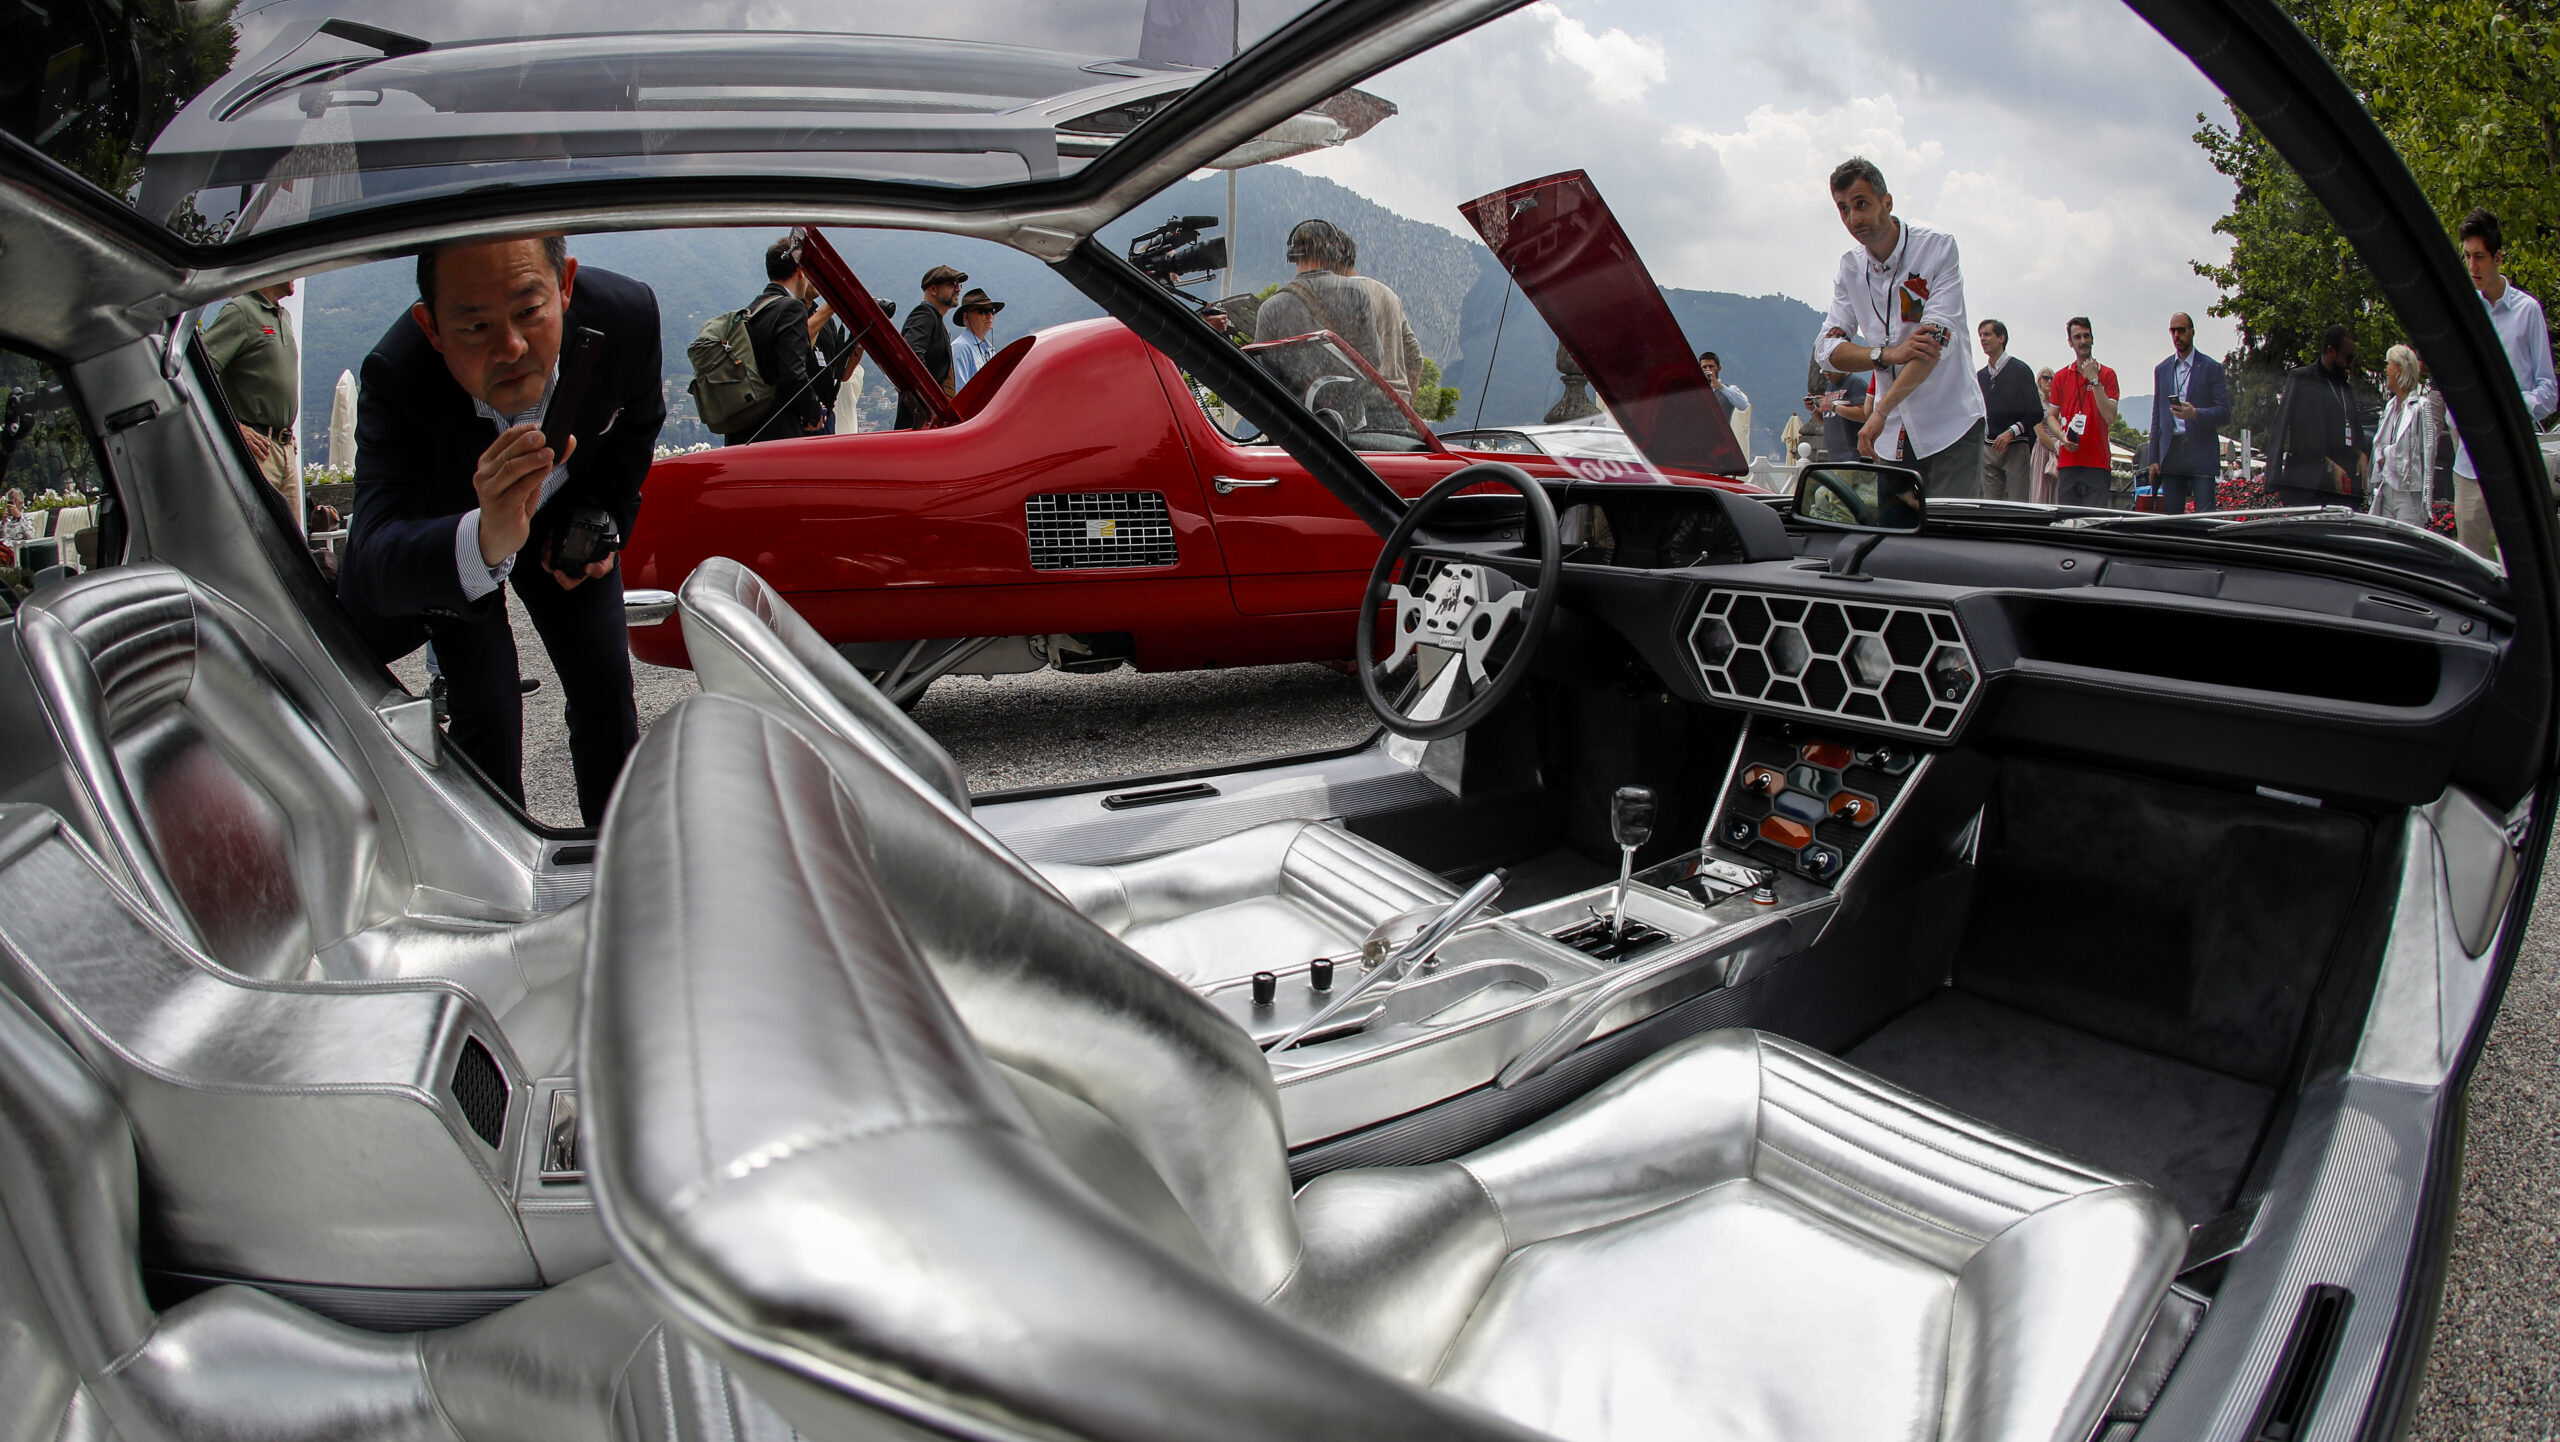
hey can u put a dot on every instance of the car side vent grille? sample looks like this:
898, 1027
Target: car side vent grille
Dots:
481, 1090
1093, 530
1892, 667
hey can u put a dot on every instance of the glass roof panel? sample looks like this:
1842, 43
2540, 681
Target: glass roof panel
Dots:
223, 121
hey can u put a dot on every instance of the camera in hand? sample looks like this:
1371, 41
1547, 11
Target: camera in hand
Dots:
1175, 249
586, 537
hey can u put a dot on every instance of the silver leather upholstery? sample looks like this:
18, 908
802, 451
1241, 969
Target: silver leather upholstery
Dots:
1265, 898
745, 640
218, 800
84, 1356
899, 1135
311, 1132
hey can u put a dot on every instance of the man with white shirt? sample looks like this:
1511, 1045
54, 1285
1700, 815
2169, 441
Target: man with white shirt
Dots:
1897, 309
2517, 318
457, 494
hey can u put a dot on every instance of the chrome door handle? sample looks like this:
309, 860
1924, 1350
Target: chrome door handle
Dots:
1229, 485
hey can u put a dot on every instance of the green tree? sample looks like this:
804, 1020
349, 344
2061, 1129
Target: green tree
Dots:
2468, 91
116, 76
1432, 400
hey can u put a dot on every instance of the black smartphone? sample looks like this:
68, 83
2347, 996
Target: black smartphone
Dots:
577, 368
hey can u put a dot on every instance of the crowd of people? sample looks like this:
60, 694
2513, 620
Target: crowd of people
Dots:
1885, 390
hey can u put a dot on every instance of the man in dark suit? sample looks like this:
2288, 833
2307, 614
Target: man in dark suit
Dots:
2190, 404
456, 494
2318, 458
929, 336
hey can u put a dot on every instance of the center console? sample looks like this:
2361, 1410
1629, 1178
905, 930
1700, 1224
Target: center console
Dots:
1508, 995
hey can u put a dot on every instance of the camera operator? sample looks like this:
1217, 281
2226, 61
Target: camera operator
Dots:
457, 493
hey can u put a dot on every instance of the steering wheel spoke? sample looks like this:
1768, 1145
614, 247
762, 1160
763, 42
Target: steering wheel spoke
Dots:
1408, 621
1491, 619
1453, 602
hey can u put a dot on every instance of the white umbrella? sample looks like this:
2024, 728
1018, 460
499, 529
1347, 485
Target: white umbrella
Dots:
342, 424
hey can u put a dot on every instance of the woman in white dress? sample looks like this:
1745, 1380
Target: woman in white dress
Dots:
2404, 441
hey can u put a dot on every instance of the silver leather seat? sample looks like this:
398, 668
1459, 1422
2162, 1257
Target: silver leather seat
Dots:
86, 1356
898, 1134
1270, 896
224, 806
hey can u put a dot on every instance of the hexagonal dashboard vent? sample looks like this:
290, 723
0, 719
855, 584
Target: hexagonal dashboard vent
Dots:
1903, 667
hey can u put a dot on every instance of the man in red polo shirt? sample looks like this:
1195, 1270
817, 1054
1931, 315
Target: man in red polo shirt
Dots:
2085, 392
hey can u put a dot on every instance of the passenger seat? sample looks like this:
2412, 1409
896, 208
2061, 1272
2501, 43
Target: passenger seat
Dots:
1266, 897
228, 811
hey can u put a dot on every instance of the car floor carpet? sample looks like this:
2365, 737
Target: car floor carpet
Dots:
2182, 1128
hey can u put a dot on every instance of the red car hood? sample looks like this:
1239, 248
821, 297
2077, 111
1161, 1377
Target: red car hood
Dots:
1558, 240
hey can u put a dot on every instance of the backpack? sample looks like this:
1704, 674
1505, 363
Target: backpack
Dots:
729, 392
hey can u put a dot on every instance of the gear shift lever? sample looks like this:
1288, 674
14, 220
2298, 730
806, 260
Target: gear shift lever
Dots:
1631, 813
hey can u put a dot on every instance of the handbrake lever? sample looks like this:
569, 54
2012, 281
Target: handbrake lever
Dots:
1393, 969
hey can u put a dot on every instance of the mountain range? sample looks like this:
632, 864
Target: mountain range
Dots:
1486, 336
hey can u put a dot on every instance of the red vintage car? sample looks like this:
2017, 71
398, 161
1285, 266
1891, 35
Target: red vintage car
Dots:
1080, 503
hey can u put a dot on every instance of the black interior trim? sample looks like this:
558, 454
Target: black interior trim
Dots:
2255, 652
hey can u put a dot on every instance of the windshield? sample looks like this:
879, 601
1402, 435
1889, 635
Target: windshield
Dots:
1342, 391
222, 121
1857, 243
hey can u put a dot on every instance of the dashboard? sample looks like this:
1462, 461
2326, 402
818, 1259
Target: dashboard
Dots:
2312, 683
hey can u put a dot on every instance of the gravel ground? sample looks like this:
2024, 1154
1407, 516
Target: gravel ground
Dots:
550, 792
1048, 728
2496, 1367
1045, 728
2495, 1371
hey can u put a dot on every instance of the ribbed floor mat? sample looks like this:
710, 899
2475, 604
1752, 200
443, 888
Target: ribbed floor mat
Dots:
2185, 1130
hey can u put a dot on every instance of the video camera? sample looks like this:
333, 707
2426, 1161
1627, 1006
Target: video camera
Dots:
1175, 249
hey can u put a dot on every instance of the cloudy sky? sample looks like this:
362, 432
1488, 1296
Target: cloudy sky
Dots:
2052, 137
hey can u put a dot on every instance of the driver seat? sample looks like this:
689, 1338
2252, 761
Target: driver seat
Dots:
1264, 898
904, 1138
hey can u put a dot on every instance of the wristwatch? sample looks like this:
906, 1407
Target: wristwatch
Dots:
1875, 355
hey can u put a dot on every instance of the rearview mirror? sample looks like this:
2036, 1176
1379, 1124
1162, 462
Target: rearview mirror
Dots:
1859, 496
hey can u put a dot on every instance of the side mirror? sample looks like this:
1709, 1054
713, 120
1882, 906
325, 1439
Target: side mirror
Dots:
1860, 496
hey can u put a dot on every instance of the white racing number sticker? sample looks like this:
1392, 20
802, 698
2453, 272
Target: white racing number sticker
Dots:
1611, 468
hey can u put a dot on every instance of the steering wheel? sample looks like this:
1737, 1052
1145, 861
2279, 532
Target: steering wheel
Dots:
1456, 610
